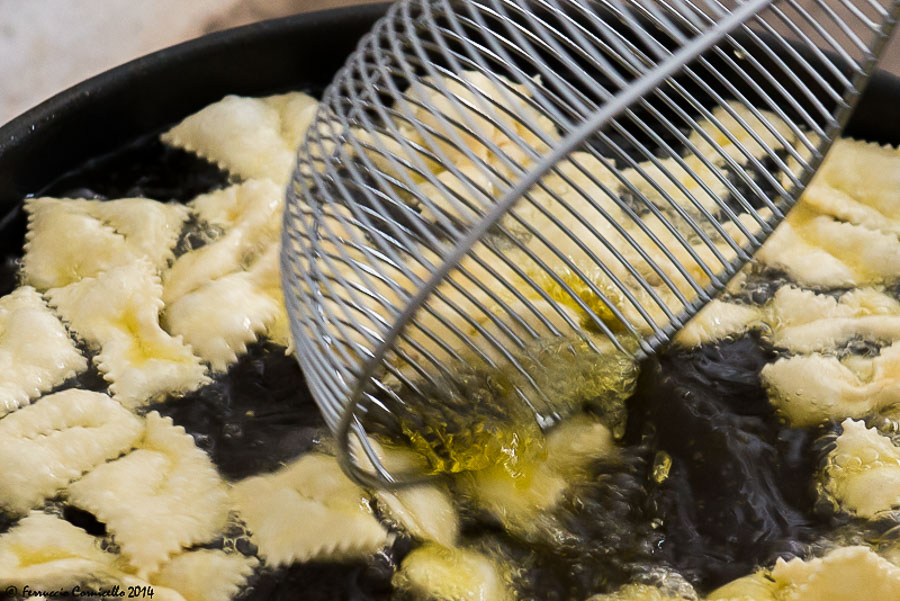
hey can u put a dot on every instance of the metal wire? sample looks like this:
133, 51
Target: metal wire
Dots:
483, 176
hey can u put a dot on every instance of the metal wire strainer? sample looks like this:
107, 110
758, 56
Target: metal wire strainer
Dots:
493, 190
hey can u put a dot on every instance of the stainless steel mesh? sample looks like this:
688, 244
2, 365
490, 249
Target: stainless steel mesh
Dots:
498, 184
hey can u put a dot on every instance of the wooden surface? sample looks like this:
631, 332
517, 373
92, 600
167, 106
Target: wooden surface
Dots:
48, 45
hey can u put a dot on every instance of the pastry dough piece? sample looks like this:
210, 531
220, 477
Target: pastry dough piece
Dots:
68, 240
266, 273
584, 223
452, 574
36, 352
297, 111
46, 445
874, 256
805, 262
753, 587
220, 318
279, 330
857, 184
801, 321
654, 178
473, 189
48, 553
205, 574
818, 251
825, 334
804, 322
717, 320
151, 228
252, 203
733, 127
118, 311
308, 510
813, 389
795, 306
869, 173
841, 205
249, 137
63, 245
193, 269
524, 504
252, 213
844, 574
862, 473
425, 511
378, 145
455, 118
577, 442
158, 499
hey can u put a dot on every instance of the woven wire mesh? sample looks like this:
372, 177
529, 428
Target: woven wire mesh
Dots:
491, 183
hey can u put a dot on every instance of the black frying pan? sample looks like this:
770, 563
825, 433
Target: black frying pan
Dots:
143, 97
301, 52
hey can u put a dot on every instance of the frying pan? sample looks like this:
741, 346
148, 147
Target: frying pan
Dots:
148, 94
144, 97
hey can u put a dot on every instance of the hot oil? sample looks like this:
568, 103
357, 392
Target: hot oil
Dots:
479, 418
737, 494
598, 537
254, 418
711, 486
710, 483
145, 168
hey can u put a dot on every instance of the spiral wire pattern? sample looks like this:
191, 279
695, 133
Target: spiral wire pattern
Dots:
486, 174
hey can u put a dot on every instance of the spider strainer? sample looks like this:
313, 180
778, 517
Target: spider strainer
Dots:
495, 190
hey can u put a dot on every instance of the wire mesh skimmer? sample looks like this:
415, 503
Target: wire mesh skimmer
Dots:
501, 186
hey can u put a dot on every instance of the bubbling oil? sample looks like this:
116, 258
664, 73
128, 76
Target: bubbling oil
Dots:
480, 420
709, 483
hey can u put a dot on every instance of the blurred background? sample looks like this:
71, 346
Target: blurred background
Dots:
48, 45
